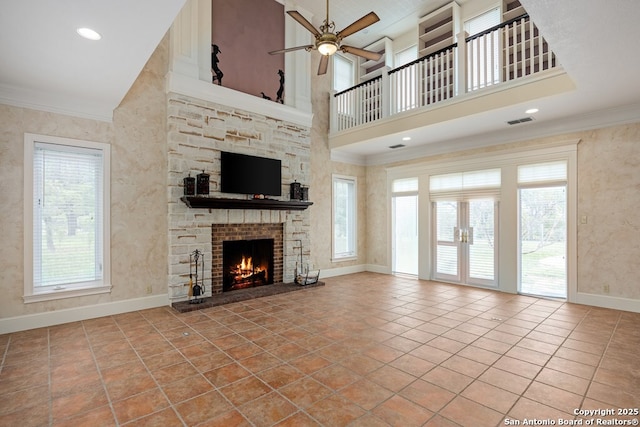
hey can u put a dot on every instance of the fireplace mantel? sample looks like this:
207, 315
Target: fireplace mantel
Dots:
201, 202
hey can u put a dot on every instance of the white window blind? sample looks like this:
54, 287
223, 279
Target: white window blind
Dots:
344, 217
342, 73
482, 22
542, 172
462, 185
67, 216
484, 51
406, 55
405, 185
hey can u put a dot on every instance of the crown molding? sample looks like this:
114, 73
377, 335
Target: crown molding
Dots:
52, 103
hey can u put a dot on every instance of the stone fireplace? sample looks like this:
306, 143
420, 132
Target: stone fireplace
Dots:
245, 255
197, 132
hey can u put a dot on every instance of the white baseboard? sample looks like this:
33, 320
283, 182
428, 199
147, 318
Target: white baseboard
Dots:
341, 271
374, 268
605, 301
57, 317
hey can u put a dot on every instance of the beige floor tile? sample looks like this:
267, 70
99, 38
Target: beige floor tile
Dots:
406, 352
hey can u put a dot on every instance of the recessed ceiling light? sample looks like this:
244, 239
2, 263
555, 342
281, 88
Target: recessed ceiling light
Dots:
406, 138
88, 33
531, 111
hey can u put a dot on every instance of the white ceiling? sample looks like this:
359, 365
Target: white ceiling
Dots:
46, 66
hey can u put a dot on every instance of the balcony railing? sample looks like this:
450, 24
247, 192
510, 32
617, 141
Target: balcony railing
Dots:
504, 53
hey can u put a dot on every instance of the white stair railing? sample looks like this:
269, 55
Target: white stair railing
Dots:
509, 51
524, 51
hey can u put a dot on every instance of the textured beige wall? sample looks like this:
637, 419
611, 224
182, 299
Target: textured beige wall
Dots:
138, 191
322, 168
608, 193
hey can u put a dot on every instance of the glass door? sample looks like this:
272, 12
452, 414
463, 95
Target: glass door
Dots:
481, 217
543, 241
447, 241
465, 244
405, 234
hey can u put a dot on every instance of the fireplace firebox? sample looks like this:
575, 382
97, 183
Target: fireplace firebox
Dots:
247, 263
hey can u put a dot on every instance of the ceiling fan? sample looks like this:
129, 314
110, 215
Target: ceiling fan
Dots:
328, 42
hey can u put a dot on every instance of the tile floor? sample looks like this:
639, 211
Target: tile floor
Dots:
364, 350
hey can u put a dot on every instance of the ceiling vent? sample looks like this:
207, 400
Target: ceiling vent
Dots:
396, 146
522, 120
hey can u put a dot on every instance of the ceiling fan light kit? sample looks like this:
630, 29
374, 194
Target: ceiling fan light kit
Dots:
328, 42
327, 48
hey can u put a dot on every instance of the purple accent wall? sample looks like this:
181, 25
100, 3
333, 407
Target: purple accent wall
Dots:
246, 31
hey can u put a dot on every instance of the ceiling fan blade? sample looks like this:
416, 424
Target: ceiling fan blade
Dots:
324, 64
364, 22
367, 54
303, 21
291, 49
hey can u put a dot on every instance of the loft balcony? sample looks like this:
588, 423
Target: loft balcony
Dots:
504, 65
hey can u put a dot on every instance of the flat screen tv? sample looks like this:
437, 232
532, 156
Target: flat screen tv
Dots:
243, 174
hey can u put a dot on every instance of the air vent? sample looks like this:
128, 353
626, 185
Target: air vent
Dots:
396, 146
522, 120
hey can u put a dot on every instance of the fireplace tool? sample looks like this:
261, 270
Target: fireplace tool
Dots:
196, 284
303, 276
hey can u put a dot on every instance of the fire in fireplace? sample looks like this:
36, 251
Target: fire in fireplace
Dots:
247, 263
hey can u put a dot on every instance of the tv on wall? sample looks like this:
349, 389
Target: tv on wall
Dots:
244, 174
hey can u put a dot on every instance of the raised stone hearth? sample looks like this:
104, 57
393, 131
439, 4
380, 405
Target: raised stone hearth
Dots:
242, 295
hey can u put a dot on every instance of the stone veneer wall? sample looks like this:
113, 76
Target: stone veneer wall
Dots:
197, 131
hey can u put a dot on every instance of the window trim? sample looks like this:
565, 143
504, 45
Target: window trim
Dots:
335, 257
104, 286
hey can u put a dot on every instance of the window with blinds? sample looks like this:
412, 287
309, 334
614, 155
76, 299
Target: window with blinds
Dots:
405, 185
343, 73
344, 217
68, 207
406, 55
483, 52
461, 185
540, 173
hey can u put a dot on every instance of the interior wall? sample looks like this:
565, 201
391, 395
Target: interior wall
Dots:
320, 191
608, 245
246, 31
138, 191
609, 197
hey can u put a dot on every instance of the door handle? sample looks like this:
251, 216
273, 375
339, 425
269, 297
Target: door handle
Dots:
465, 235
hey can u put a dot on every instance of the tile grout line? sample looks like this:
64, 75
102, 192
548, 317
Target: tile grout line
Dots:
602, 355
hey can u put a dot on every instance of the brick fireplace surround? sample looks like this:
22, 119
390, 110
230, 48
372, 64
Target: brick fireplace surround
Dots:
227, 232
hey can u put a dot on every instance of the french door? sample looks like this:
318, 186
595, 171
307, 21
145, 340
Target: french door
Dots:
466, 241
